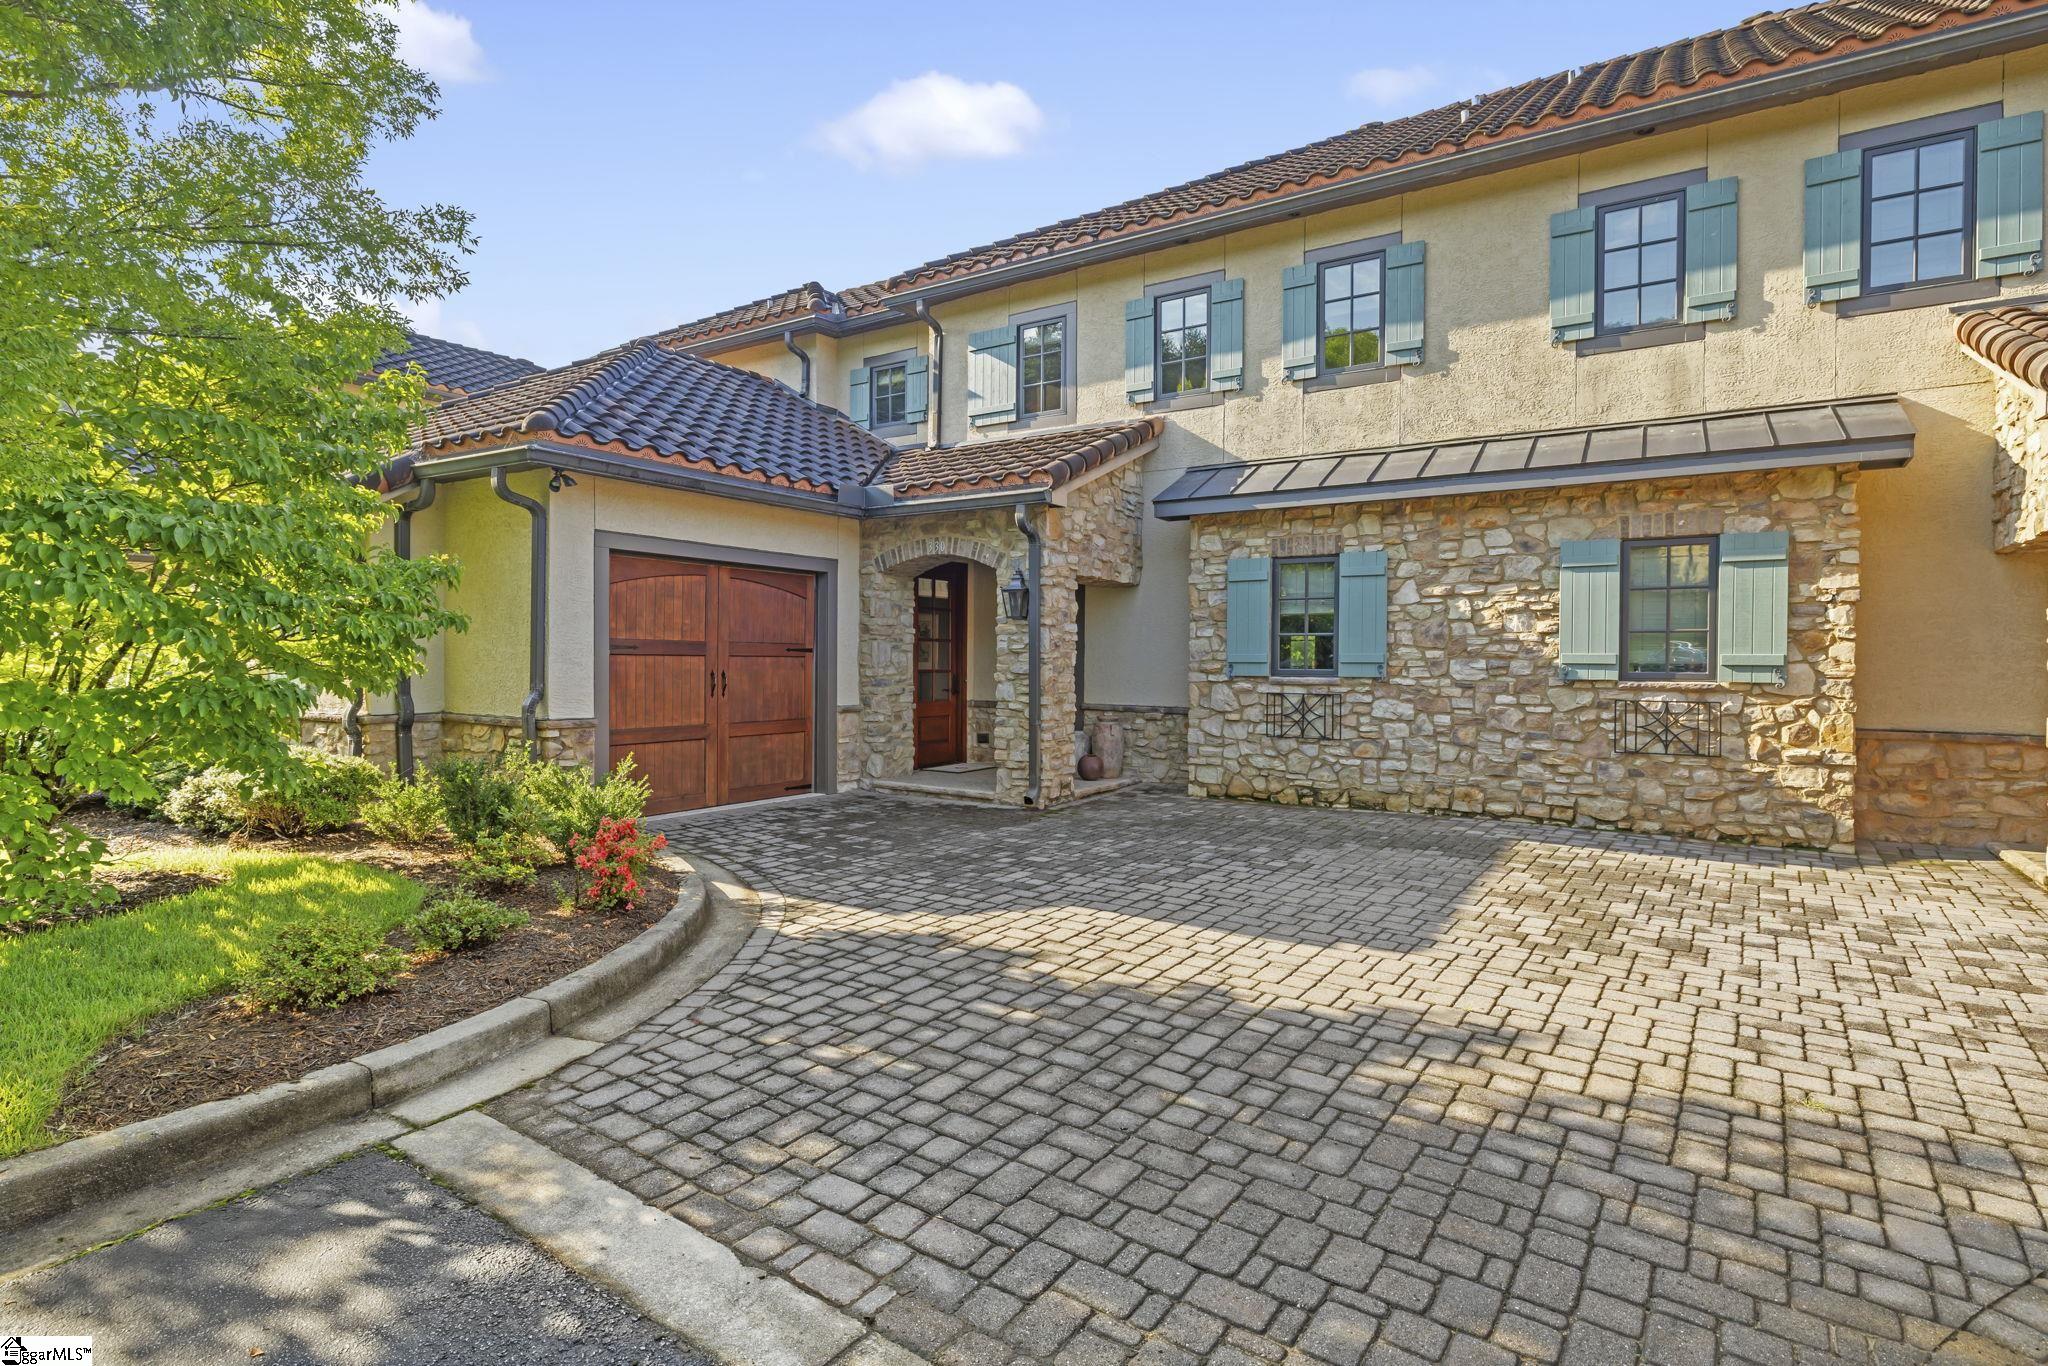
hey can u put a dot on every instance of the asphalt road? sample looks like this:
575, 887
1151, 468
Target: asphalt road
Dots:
366, 1261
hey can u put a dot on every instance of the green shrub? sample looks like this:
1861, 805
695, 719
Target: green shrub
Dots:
565, 805
496, 863
460, 921
211, 800
163, 779
404, 811
478, 798
319, 966
318, 791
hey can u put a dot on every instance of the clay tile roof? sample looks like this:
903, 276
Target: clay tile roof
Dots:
641, 400
455, 368
1754, 47
1044, 459
2014, 339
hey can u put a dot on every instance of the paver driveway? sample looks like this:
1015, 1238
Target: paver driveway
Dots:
1191, 1080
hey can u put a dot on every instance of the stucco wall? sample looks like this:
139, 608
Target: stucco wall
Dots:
1488, 367
483, 669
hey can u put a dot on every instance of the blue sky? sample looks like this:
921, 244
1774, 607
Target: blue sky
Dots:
636, 165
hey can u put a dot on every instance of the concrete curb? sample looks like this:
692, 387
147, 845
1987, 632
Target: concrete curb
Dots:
39, 1185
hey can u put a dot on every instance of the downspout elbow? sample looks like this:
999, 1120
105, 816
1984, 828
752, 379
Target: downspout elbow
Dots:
537, 609
1034, 572
804, 381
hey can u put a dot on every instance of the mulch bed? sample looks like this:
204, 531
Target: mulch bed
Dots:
221, 1047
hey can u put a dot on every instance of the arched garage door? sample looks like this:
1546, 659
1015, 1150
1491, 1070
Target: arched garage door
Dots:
711, 679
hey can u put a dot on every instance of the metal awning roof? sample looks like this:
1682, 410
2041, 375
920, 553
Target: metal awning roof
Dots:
1873, 432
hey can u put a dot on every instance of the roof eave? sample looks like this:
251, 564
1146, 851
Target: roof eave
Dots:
1806, 80
1879, 453
550, 455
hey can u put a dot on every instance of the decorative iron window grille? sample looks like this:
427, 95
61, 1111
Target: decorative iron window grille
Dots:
1301, 715
1653, 726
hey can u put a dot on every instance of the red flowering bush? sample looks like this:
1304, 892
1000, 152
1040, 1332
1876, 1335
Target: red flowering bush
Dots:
611, 863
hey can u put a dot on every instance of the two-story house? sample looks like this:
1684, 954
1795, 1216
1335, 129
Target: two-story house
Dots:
1648, 445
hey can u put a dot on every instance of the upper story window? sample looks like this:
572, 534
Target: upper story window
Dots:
1041, 367
1351, 293
1917, 208
1184, 343
1639, 251
1667, 611
1305, 616
889, 394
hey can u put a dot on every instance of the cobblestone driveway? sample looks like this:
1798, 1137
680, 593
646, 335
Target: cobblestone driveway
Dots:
1176, 1081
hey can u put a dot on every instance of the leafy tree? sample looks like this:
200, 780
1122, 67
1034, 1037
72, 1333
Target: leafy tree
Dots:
193, 279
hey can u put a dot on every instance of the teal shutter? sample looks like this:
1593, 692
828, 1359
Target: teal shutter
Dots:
1298, 321
1138, 381
1571, 274
2009, 196
1589, 609
1753, 588
1404, 303
857, 395
917, 390
1226, 335
1834, 227
1248, 616
1362, 614
992, 376
1710, 251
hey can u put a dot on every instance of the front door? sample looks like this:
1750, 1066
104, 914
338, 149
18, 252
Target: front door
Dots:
711, 679
939, 714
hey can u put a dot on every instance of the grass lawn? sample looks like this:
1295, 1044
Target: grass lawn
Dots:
65, 992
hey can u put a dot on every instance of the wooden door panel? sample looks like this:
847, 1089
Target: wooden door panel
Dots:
775, 764
711, 679
675, 772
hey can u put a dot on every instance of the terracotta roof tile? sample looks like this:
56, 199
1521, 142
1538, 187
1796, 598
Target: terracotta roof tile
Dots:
642, 400
455, 368
2014, 339
1750, 48
1047, 459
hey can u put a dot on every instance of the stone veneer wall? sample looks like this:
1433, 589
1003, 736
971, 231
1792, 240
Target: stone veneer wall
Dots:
981, 720
2019, 481
1092, 539
448, 735
1962, 791
1155, 739
1473, 716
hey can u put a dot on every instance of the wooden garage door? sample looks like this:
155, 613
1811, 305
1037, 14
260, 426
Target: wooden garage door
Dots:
711, 679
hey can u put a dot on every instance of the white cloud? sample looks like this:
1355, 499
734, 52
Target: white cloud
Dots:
429, 317
1391, 85
935, 117
438, 43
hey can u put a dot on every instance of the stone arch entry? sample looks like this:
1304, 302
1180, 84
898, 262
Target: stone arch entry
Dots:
908, 559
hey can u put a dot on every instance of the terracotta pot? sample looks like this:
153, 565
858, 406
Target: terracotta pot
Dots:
1106, 742
1090, 767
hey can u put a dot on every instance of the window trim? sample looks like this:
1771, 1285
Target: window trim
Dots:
1274, 667
876, 422
1323, 269
1966, 230
1624, 673
902, 356
1051, 417
1600, 211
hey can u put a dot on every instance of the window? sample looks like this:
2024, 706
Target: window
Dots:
1917, 212
1305, 617
1041, 367
889, 395
1638, 264
1184, 343
1351, 313
1667, 610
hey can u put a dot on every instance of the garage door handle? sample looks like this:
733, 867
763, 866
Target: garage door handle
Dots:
723, 686
796, 649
